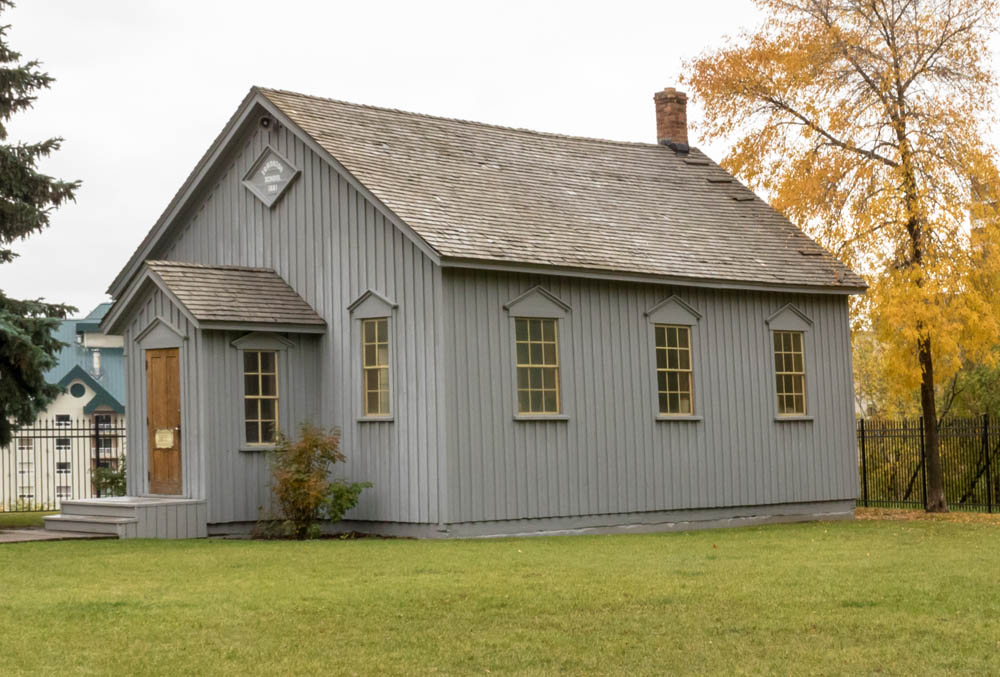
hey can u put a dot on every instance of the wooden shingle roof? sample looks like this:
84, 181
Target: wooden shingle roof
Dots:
477, 192
234, 294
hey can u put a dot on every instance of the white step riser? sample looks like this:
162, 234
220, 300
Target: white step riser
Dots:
81, 526
70, 508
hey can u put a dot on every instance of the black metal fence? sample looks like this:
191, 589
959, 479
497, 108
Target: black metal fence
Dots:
54, 459
893, 474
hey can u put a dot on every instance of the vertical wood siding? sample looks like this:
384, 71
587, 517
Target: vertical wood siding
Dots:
155, 304
612, 455
331, 245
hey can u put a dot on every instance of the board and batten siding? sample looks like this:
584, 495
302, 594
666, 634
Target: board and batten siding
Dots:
612, 455
331, 245
240, 478
153, 304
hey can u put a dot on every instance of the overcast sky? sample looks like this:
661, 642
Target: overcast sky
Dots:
143, 87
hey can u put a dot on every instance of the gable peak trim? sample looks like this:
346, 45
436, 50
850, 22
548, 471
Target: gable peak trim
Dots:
262, 340
160, 322
789, 308
537, 290
371, 294
675, 301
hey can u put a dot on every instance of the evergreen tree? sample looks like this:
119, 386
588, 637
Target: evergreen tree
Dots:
27, 198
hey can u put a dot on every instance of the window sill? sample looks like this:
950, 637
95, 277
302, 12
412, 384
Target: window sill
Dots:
788, 419
541, 417
251, 448
375, 419
667, 419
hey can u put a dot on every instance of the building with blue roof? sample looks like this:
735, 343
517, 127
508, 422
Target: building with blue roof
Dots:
90, 368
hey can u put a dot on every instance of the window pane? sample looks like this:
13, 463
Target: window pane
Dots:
661, 359
685, 404
536, 400
267, 409
267, 431
535, 377
370, 356
383, 379
523, 401
268, 385
522, 377
548, 330
550, 402
661, 380
250, 361
368, 327
383, 354
521, 330
663, 403
267, 361
522, 353
250, 409
384, 402
536, 353
535, 330
372, 402
672, 381
682, 337
371, 379
673, 402
549, 353
661, 336
382, 330
672, 361
685, 359
251, 385
252, 433
549, 379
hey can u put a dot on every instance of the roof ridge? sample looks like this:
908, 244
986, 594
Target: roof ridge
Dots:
185, 264
478, 123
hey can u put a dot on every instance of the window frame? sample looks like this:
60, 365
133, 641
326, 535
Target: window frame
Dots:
537, 303
678, 370
365, 368
259, 398
256, 342
778, 394
372, 305
674, 311
789, 318
518, 366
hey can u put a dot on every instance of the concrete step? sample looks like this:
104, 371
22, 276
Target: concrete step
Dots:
97, 507
91, 524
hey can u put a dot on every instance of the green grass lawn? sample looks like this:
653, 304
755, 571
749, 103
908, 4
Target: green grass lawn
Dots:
20, 520
846, 597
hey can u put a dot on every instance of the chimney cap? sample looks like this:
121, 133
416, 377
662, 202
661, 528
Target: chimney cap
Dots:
670, 93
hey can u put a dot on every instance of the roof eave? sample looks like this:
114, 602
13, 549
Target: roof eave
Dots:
626, 276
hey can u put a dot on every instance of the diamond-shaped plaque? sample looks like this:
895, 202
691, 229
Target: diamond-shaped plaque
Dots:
270, 176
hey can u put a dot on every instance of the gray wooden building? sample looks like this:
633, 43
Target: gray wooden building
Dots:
517, 332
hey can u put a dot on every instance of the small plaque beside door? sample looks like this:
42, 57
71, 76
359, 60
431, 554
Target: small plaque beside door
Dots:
164, 438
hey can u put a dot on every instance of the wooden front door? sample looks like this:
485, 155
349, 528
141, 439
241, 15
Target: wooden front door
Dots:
163, 420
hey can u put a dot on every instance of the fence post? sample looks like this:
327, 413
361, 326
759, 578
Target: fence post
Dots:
986, 453
864, 464
923, 464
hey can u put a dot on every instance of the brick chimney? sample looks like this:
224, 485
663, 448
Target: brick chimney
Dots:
671, 118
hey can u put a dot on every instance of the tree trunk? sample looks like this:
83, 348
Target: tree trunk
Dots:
935, 479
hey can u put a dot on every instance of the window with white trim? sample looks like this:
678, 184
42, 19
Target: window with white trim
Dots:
674, 372
260, 396
536, 342
790, 373
375, 366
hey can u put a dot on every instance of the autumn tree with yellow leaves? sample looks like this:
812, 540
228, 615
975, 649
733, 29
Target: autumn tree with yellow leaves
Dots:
864, 122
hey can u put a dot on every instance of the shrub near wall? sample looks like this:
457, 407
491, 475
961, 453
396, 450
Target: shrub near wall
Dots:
302, 486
